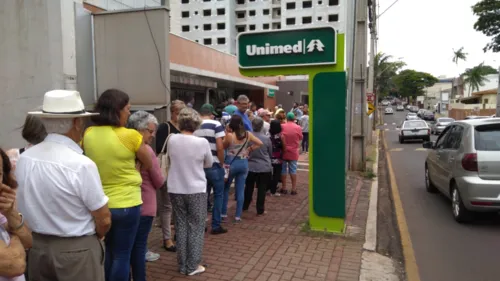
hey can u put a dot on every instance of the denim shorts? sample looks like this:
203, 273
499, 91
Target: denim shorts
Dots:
289, 167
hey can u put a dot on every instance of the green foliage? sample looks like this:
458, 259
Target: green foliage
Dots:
459, 55
385, 69
488, 22
411, 83
476, 76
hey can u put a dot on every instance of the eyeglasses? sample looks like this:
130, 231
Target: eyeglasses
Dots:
151, 131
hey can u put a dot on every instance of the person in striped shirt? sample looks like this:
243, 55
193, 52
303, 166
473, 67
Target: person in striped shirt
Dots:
214, 132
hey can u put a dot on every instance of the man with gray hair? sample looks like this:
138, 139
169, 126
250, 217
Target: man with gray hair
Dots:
61, 196
242, 104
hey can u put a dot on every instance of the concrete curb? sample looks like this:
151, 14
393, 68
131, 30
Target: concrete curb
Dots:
371, 221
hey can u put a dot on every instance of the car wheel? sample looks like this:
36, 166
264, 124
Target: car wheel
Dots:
460, 213
427, 139
401, 140
429, 186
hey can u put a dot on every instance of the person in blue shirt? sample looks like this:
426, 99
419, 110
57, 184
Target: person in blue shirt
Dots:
242, 104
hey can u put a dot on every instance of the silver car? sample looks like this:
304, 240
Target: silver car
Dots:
441, 123
464, 165
414, 130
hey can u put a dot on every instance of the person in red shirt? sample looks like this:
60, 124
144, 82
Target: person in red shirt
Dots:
292, 133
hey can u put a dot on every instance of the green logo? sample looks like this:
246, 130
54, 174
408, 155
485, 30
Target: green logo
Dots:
291, 47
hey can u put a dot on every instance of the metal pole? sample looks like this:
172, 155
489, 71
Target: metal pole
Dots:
373, 52
498, 94
351, 28
358, 112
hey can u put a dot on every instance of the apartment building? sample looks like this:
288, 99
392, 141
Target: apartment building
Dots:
216, 23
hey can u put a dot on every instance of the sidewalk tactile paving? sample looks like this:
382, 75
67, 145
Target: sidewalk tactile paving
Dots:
274, 247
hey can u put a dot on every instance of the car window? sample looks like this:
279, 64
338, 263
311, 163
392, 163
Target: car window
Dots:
442, 138
487, 137
414, 124
454, 138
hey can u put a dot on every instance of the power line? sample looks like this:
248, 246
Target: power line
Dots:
387, 8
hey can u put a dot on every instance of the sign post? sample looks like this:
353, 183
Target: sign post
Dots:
319, 53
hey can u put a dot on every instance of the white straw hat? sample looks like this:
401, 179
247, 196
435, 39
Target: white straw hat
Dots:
62, 104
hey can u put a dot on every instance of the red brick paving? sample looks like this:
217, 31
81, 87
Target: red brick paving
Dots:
275, 247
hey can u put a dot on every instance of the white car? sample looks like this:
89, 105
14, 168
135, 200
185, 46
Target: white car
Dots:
389, 110
414, 129
400, 108
411, 116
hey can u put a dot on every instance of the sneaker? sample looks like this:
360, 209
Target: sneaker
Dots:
150, 256
223, 218
219, 230
199, 270
276, 194
237, 220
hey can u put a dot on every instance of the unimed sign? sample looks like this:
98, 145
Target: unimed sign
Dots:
290, 47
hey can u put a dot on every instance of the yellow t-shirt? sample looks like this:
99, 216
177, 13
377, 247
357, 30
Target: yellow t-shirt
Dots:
114, 150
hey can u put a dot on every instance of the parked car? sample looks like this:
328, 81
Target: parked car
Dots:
389, 110
464, 165
428, 115
408, 106
414, 130
400, 108
470, 117
420, 112
440, 124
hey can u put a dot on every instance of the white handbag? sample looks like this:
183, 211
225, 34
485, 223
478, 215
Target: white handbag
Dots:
163, 158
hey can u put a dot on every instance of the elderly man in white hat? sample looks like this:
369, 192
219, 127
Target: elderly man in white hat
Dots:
61, 196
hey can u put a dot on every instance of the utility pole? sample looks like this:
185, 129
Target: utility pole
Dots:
498, 94
373, 52
358, 105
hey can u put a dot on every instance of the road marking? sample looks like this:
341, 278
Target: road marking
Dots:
303, 163
411, 266
421, 149
393, 123
387, 129
304, 170
396, 149
385, 124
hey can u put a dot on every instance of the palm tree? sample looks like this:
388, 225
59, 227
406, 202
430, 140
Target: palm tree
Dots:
459, 55
384, 69
476, 76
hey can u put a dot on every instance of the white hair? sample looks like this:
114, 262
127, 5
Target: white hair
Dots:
140, 120
243, 98
59, 126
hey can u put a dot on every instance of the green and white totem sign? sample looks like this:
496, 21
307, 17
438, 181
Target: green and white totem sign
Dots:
319, 53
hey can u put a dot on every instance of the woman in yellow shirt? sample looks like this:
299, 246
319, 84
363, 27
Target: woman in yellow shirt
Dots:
115, 150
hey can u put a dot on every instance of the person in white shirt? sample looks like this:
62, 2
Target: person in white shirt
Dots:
266, 116
61, 196
188, 155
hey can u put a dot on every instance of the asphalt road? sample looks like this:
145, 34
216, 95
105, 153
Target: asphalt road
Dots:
444, 249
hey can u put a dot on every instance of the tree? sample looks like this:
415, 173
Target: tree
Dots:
488, 22
384, 70
476, 76
459, 55
411, 83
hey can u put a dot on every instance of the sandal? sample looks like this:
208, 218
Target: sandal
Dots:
293, 193
170, 249
284, 191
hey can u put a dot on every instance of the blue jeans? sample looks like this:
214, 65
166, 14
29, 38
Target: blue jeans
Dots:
138, 258
215, 178
120, 241
238, 171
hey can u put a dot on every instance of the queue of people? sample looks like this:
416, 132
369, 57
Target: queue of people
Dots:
79, 202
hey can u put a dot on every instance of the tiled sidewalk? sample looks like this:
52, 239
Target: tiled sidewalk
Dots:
278, 246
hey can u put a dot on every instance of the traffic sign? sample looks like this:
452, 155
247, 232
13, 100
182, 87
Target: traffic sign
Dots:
290, 47
371, 108
370, 97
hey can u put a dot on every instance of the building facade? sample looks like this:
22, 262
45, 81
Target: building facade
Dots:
216, 23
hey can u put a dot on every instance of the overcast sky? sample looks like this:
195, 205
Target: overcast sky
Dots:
425, 32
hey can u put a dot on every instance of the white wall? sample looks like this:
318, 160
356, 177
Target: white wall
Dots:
111, 5
33, 59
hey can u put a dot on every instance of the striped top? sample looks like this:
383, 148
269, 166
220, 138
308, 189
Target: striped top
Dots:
211, 130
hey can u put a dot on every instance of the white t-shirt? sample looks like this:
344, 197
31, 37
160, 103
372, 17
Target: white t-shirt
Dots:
188, 155
58, 188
